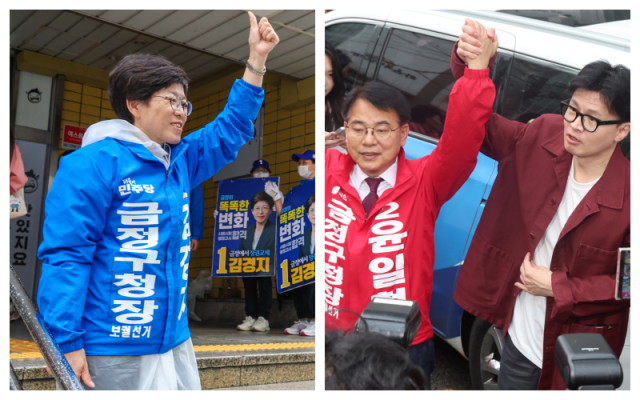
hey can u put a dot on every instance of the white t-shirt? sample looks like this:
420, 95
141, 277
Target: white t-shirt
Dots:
527, 325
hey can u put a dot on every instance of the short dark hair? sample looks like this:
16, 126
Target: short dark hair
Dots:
262, 196
312, 199
612, 82
137, 77
382, 97
369, 361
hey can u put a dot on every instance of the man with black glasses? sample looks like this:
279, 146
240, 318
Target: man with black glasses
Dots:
542, 262
381, 208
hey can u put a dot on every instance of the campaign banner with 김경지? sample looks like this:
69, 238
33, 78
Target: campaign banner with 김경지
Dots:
245, 238
296, 239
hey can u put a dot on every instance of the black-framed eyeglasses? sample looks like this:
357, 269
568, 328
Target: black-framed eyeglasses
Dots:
380, 131
176, 104
589, 123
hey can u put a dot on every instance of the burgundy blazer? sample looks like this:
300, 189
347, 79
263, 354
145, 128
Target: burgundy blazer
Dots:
532, 175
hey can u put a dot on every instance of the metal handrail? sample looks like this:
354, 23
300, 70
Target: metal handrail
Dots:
14, 382
57, 362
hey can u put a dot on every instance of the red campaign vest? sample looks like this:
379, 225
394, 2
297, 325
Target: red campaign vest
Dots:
391, 253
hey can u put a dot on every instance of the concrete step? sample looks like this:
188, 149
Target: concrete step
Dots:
226, 357
216, 371
302, 385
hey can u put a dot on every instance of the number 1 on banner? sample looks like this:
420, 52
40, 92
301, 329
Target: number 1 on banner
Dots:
223, 261
285, 274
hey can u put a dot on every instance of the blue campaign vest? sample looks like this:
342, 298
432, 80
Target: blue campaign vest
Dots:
117, 236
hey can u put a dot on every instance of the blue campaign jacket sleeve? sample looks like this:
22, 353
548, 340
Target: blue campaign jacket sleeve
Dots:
197, 212
75, 216
218, 143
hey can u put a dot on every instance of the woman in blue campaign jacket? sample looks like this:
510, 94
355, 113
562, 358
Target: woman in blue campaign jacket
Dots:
117, 233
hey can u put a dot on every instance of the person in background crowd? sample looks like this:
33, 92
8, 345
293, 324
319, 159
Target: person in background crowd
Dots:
304, 296
17, 180
17, 177
560, 207
306, 166
381, 208
117, 239
258, 290
333, 98
369, 361
196, 208
261, 169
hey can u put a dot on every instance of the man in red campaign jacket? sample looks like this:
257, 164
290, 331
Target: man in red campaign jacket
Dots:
542, 262
381, 208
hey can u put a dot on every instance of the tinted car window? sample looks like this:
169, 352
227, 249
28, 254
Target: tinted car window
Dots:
535, 88
350, 41
419, 66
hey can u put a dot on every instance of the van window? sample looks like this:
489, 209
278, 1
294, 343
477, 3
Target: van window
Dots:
419, 66
350, 41
535, 87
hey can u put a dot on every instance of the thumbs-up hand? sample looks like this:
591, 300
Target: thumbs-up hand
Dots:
262, 37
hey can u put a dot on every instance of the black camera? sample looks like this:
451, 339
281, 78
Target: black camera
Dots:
586, 362
398, 320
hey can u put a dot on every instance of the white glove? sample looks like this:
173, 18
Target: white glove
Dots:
272, 190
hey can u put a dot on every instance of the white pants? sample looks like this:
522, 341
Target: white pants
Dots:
176, 369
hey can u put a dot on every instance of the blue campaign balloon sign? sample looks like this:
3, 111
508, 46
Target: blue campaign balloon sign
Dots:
296, 247
245, 237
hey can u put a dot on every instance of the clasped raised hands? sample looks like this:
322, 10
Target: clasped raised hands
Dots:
477, 45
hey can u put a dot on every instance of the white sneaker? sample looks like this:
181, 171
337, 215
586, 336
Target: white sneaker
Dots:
297, 327
247, 324
261, 325
310, 330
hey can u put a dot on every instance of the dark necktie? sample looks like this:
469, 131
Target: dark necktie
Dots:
372, 197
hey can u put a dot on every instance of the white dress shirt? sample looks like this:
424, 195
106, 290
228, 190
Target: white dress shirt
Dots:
357, 180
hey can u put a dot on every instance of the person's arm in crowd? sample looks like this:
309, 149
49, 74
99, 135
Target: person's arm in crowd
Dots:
502, 135
67, 250
470, 104
17, 177
218, 143
278, 204
274, 191
196, 207
333, 140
